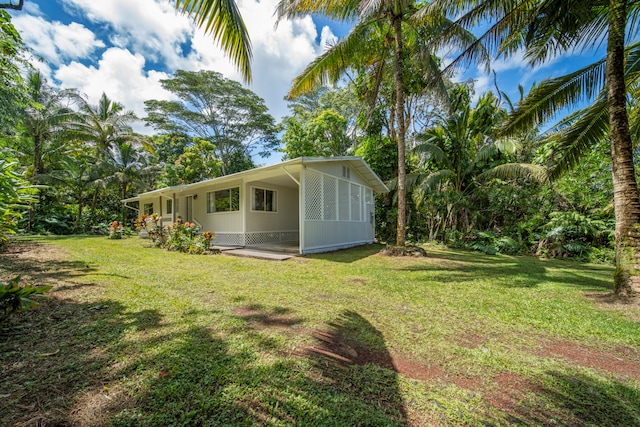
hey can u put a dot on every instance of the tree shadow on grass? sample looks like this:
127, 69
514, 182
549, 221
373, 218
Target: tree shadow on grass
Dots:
349, 255
243, 380
511, 271
53, 358
22, 259
572, 400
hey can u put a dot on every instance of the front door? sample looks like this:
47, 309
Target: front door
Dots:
189, 209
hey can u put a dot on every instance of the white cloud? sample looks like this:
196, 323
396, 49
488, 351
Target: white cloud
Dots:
55, 41
121, 76
146, 34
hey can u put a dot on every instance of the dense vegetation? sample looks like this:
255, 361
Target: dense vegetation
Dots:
474, 167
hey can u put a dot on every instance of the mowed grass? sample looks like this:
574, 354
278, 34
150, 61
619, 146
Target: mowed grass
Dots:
140, 336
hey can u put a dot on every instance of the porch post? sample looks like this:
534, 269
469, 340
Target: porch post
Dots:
301, 208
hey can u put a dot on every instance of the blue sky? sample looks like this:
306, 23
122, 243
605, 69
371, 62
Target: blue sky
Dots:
124, 47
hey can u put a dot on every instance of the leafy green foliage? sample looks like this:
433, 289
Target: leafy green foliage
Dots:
323, 123
218, 110
15, 298
15, 193
13, 93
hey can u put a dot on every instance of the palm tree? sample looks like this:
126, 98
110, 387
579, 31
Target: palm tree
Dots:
388, 19
463, 149
128, 163
104, 125
222, 19
76, 176
545, 28
43, 122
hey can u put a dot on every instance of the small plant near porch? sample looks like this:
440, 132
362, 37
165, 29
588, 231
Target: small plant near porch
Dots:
180, 237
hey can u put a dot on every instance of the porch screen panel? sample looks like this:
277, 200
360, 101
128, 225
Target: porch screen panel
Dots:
355, 202
329, 192
313, 195
368, 205
343, 201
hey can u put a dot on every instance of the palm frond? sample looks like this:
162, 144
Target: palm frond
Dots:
222, 19
434, 152
329, 67
573, 136
347, 10
552, 95
499, 146
510, 171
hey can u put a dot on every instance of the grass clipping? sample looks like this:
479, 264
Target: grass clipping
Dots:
408, 250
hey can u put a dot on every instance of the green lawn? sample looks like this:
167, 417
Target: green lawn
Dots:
140, 336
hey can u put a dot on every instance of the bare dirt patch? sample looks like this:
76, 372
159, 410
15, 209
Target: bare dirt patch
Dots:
340, 349
410, 251
610, 301
623, 361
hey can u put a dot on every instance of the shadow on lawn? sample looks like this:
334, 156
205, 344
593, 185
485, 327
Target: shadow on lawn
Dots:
208, 380
349, 255
572, 400
511, 271
56, 361
22, 259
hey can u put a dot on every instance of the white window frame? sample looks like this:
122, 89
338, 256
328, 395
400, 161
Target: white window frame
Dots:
213, 193
145, 210
169, 206
253, 200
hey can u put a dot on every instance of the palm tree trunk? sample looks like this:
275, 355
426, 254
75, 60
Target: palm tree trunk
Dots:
38, 167
625, 188
124, 196
402, 174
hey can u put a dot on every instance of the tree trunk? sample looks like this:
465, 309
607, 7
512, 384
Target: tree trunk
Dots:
38, 167
625, 189
402, 174
124, 196
79, 218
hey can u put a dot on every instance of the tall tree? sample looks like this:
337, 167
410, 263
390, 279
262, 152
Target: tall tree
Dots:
545, 29
43, 122
232, 118
462, 147
127, 164
13, 94
104, 125
389, 18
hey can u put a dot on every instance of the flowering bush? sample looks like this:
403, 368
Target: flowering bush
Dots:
180, 237
116, 230
152, 224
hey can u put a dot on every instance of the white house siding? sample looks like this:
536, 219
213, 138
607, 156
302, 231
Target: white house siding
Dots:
226, 225
279, 226
336, 169
338, 211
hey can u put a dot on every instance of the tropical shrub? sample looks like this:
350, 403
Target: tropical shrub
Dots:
179, 237
15, 298
185, 238
152, 225
573, 234
116, 230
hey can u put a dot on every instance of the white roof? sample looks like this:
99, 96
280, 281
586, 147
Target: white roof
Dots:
354, 162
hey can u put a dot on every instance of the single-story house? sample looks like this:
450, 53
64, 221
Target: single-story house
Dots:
317, 203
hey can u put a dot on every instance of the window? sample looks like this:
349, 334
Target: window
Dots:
169, 206
264, 200
148, 208
346, 172
223, 200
